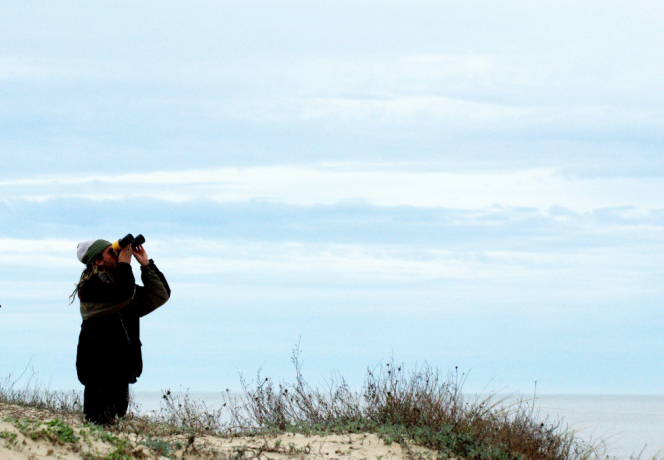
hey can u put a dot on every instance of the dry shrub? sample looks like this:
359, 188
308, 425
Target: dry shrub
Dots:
419, 406
284, 405
177, 415
433, 411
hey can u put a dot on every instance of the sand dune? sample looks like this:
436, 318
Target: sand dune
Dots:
30, 434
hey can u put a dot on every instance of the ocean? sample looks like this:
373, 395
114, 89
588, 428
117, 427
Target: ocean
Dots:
629, 424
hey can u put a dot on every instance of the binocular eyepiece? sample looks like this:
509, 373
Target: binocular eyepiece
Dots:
127, 240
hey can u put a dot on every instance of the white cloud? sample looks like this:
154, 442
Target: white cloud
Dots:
331, 184
456, 91
363, 265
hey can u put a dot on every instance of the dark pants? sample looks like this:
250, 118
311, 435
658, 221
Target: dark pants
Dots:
102, 403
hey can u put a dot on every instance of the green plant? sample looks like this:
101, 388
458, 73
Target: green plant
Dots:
159, 446
56, 431
122, 448
8, 437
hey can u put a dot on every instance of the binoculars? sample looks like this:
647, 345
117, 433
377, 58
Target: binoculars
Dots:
127, 240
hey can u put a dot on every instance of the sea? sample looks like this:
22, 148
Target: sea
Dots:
631, 426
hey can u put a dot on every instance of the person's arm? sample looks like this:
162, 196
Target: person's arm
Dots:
155, 290
99, 298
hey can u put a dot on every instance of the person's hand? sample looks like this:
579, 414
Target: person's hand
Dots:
141, 256
124, 255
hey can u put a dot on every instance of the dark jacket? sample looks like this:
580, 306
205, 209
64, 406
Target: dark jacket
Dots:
109, 345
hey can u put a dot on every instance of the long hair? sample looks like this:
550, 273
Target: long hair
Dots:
90, 271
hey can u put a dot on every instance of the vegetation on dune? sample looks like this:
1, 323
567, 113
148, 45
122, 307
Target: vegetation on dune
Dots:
33, 394
420, 407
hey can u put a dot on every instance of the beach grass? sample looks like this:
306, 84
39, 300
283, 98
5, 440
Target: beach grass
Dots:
33, 394
422, 407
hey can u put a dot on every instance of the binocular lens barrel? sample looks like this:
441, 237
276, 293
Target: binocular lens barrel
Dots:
127, 240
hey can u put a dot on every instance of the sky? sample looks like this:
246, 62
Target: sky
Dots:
466, 184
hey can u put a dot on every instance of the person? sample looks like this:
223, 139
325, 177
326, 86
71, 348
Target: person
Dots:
109, 356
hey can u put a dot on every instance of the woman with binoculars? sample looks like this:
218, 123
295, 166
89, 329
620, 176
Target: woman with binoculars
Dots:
109, 354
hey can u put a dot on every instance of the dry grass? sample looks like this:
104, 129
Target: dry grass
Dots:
421, 407
35, 395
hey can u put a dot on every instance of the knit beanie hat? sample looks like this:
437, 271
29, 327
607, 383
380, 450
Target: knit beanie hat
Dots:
88, 251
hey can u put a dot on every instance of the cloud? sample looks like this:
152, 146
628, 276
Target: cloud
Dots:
360, 266
334, 184
413, 94
468, 103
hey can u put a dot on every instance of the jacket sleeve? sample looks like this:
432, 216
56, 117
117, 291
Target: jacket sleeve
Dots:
155, 290
99, 298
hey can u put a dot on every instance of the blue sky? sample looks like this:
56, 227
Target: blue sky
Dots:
471, 184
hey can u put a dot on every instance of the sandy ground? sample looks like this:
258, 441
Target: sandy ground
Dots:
31, 434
